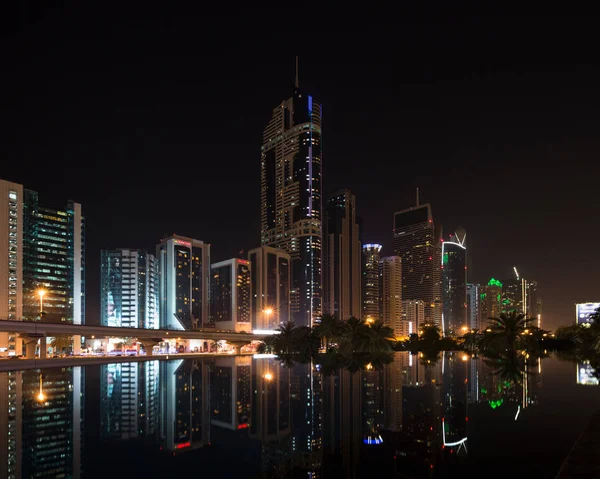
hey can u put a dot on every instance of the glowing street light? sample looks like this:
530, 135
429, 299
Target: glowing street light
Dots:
369, 366
465, 357
268, 376
268, 311
41, 293
41, 396
464, 329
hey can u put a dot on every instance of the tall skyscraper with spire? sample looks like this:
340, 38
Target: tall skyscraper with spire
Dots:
418, 242
291, 197
454, 282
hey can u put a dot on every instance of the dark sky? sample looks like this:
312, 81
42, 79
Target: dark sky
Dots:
153, 119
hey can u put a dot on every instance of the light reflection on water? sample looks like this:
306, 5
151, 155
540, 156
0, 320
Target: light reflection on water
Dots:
254, 417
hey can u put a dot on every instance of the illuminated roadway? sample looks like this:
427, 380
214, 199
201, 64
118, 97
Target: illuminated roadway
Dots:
40, 329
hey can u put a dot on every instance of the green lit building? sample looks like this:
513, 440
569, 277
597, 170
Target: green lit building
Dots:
490, 301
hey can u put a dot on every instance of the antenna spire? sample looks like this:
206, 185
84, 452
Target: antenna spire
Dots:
417, 196
296, 84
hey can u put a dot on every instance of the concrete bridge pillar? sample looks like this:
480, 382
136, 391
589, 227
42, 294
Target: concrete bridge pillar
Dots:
30, 345
149, 344
43, 348
77, 344
237, 345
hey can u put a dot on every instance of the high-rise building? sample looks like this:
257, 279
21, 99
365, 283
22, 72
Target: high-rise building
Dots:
534, 302
473, 315
230, 295
390, 283
454, 284
490, 301
370, 281
129, 289
42, 265
418, 243
413, 315
184, 282
291, 197
341, 257
270, 273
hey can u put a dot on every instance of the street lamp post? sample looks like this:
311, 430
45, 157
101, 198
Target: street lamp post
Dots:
41, 294
268, 312
41, 396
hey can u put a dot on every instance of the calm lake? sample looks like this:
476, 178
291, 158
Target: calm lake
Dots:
251, 417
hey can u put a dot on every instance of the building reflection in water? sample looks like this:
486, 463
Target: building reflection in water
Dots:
410, 418
41, 420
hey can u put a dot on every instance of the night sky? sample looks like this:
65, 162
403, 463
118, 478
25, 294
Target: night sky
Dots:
153, 119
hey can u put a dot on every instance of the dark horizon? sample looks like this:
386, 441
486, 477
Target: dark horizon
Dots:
153, 122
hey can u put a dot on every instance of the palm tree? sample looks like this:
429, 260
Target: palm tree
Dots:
355, 336
471, 340
328, 328
380, 338
509, 328
305, 342
284, 341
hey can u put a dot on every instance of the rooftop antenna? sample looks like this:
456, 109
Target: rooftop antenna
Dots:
516, 272
296, 82
417, 196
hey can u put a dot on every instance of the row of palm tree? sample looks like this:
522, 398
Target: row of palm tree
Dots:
351, 336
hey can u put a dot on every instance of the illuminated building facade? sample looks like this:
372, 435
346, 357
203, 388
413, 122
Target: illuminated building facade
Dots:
230, 295
184, 283
454, 283
490, 301
413, 315
42, 249
390, 283
370, 281
418, 243
291, 197
129, 399
473, 315
342, 257
129, 289
270, 273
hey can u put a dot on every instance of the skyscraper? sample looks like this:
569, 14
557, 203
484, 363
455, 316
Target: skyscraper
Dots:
413, 315
270, 273
42, 262
129, 289
184, 282
230, 295
341, 257
370, 281
291, 197
473, 315
454, 284
490, 301
417, 242
390, 297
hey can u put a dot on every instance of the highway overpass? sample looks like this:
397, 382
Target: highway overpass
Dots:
31, 331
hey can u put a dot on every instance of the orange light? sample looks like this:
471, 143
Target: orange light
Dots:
268, 376
268, 311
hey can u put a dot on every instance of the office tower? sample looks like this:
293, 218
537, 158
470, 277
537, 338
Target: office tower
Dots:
291, 197
129, 289
390, 284
533, 302
418, 243
184, 283
454, 284
270, 273
184, 404
129, 401
370, 282
230, 295
230, 400
473, 315
413, 315
41, 261
342, 257
42, 420
490, 301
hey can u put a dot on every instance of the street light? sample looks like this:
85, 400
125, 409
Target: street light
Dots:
268, 376
41, 293
268, 312
41, 396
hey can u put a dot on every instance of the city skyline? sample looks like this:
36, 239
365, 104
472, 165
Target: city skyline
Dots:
485, 128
